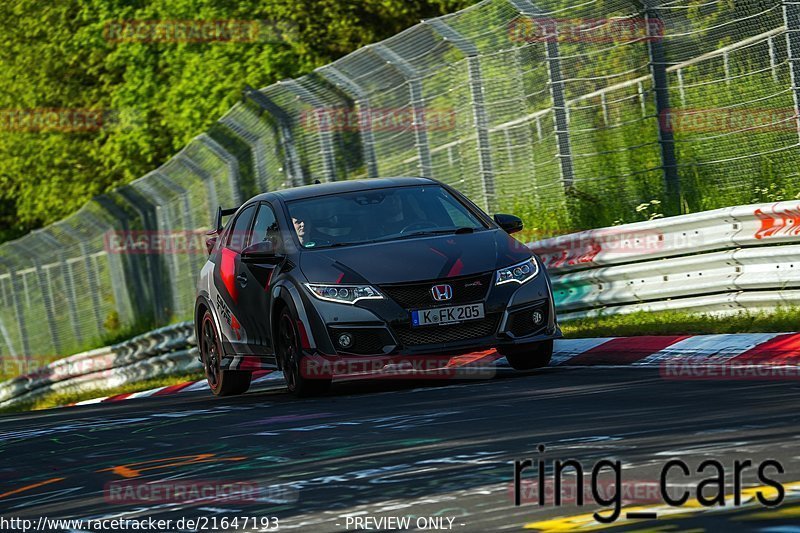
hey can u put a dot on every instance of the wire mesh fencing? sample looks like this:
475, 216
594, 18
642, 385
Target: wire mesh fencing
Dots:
572, 115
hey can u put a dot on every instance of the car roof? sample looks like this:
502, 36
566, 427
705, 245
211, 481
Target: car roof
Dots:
334, 187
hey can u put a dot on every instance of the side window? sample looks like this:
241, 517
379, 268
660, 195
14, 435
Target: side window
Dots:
237, 238
266, 226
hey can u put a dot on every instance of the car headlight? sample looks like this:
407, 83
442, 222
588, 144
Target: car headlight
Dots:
519, 273
345, 294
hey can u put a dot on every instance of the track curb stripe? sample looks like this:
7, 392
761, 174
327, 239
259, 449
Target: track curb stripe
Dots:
625, 350
778, 350
645, 351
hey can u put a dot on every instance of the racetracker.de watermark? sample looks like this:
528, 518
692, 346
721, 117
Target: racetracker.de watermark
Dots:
402, 367
54, 119
729, 370
156, 242
584, 30
617, 241
378, 119
196, 31
729, 120
183, 491
570, 492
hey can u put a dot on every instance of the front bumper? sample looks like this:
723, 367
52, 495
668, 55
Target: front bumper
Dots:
385, 325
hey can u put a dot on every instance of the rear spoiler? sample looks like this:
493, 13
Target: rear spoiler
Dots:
222, 213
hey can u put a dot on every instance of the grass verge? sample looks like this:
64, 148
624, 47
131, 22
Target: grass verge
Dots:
64, 398
682, 323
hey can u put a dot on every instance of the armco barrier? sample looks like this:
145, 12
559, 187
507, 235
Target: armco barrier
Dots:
722, 261
142, 357
178, 362
749, 253
720, 229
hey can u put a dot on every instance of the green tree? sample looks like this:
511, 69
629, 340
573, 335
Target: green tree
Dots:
153, 97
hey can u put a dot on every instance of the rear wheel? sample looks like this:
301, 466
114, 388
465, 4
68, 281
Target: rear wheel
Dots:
221, 382
290, 354
528, 356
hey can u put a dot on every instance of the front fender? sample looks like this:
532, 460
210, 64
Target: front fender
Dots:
288, 293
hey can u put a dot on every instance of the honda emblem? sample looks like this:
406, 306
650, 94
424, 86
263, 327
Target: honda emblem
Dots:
442, 292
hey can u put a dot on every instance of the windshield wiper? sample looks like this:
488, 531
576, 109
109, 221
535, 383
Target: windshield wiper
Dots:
456, 231
338, 244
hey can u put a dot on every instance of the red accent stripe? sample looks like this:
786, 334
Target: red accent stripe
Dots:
227, 271
117, 397
173, 388
261, 373
783, 349
624, 350
455, 270
303, 336
486, 356
340, 278
250, 363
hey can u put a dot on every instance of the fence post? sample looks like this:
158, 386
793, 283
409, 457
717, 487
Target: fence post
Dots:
361, 100
145, 185
257, 149
469, 50
153, 283
791, 17
294, 169
230, 160
69, 285
195, 168
23, 334
47, 300
416, 100
666, 139
325, 134
556, 77
115, 268
91, 274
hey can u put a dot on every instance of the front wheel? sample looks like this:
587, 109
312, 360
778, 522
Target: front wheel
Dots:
221, 382
528, 356
290, 354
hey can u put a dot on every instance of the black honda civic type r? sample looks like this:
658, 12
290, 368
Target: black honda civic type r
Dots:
309, 278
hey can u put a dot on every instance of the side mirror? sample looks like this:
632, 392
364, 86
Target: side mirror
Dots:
261, 252
509, 223
210, 243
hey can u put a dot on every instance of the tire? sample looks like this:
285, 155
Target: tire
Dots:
528, 356
221, 382
289, 353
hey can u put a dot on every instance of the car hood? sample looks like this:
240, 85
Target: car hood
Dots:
418, 259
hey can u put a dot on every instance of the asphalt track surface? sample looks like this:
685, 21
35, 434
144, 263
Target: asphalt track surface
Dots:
407, 449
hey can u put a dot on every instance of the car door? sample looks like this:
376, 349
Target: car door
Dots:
231, 283
254, 299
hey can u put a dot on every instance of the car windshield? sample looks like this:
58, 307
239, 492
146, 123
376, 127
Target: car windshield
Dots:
380, 215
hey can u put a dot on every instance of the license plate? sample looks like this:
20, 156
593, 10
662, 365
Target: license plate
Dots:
446, 315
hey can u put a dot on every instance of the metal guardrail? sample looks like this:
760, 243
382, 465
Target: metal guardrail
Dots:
158, 353
725, 260
715, 261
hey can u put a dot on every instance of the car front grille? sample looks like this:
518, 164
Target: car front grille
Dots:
473, 329
418, 295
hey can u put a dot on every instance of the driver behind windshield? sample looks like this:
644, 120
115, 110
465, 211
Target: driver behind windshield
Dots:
375, 215
393, 220
301, 227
